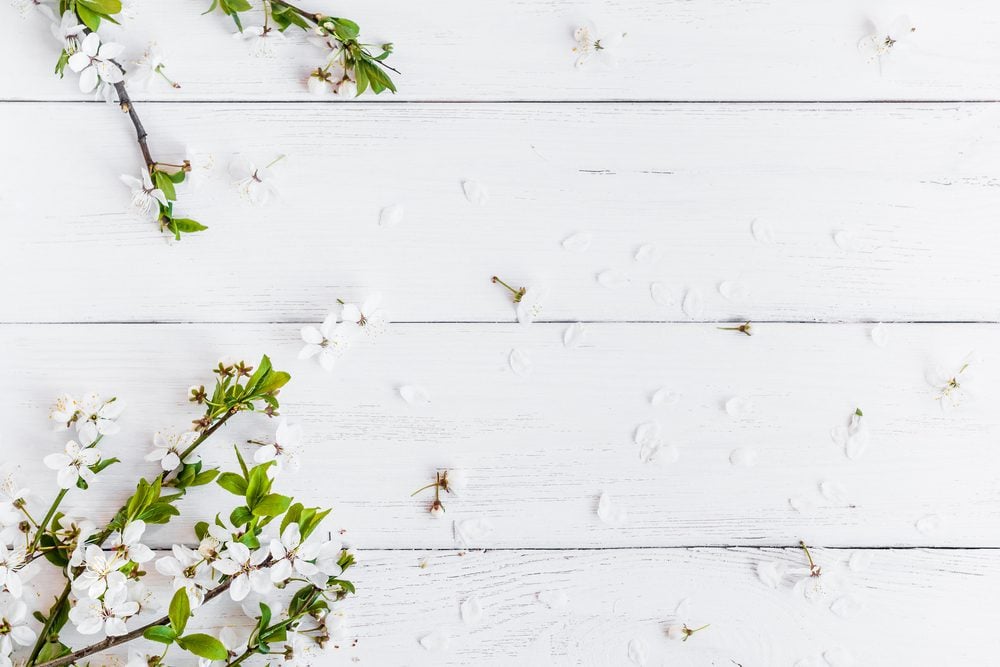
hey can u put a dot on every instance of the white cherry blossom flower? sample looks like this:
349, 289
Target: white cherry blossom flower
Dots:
167, 449
183, 568
256, 185
261, 39
24, 7
127, 543
367, 315
284, 450
327, 562
149, 67
91, 615
883, 41
11, 560
14, 627
952, 383
74, 533
244, 566
64, 412
93, 62
12, 499
214, 543
291, 553
146, 199
100, 572
68, 31
531, 303
73, 464
591, 45
328, 343
101, 414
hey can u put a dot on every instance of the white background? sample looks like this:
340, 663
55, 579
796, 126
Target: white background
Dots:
719, 113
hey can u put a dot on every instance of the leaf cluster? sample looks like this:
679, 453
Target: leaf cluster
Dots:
202, 645
166, 181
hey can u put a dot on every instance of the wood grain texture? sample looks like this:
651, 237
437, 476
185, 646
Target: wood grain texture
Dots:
541, 449
521, 50
617, 596
914, 184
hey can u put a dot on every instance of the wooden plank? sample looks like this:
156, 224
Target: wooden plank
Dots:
614, 597
914, 185
705, 50
541, 449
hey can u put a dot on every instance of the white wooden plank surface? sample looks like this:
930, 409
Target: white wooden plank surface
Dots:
617, 596
541, 449
915, 184
510, 49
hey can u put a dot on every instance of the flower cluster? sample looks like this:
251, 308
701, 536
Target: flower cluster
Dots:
349, 67
100, 69
328, 342
264, 553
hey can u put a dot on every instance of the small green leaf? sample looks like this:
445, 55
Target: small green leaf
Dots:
205, 477
162, 181
232, 483
201, 530
203, 646
187, 225
180, 610
160, 633
240, 516
106, 7
90, 18
272, 505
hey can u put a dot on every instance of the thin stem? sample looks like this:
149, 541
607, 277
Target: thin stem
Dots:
423, 488
812, 565
48, 517
312, 16
47, 627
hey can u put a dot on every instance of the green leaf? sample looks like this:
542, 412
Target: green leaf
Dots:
345, 29
203, 646
180, 610
90, 18
240, 516
201, 530
232, 483
163, 182
187, 226
106, 7
205, 477
160, 633
52, 552
274, 381
158, 513
272, 505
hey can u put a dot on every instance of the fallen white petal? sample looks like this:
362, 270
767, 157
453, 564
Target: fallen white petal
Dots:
770, 573
846, 240
658, 452
391, 215
801, 505
553, 599
414, 394
637, 652
860, 561
845, 606
743, 457
733, 291
665, 398
647, 433
833, 491
578, 242
694, 304
472, 611
880, 334
609, 513
613, 278
739, 407
435, 641
574, 333
662, 295
647, 254
838, 657
761, 231
471, 532
683, 608
519, 363
475, 191
930, 524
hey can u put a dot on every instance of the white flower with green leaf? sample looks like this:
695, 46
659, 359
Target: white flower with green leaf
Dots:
94, 62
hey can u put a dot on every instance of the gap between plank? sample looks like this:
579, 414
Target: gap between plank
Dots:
522, 101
